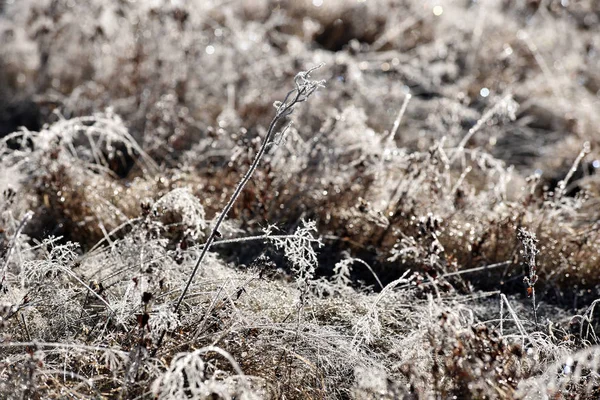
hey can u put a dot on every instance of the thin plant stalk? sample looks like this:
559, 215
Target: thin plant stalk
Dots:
530, 251
304, 88
13, 243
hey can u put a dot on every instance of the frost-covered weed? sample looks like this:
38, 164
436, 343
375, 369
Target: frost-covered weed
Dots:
190, 376
299, 251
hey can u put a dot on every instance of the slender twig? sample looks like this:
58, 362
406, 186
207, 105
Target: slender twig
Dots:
530, 251
358, 260
392, 136
562, 185
57, 345
13, 242
462, 272
74, 276
304, 88
506, 102
482, 268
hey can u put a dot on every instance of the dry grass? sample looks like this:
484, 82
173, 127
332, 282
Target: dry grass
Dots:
384, 247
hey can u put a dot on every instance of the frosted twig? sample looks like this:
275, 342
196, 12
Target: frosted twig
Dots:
530, 251
13, 242
394, 130
507, 104
562, 185
304, 88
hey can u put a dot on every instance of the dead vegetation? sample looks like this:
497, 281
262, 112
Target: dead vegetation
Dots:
426, 228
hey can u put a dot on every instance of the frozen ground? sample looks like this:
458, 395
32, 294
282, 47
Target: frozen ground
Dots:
426, 227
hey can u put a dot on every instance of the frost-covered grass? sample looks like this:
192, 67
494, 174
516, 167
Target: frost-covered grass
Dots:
423, 226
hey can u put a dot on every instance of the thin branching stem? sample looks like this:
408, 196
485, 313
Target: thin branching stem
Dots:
304, 88
238, 190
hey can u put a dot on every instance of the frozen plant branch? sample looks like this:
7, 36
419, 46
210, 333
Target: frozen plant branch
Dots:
562, 185
13, 242
530, 251
506, 106
305, 87
299, 251
392, 136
